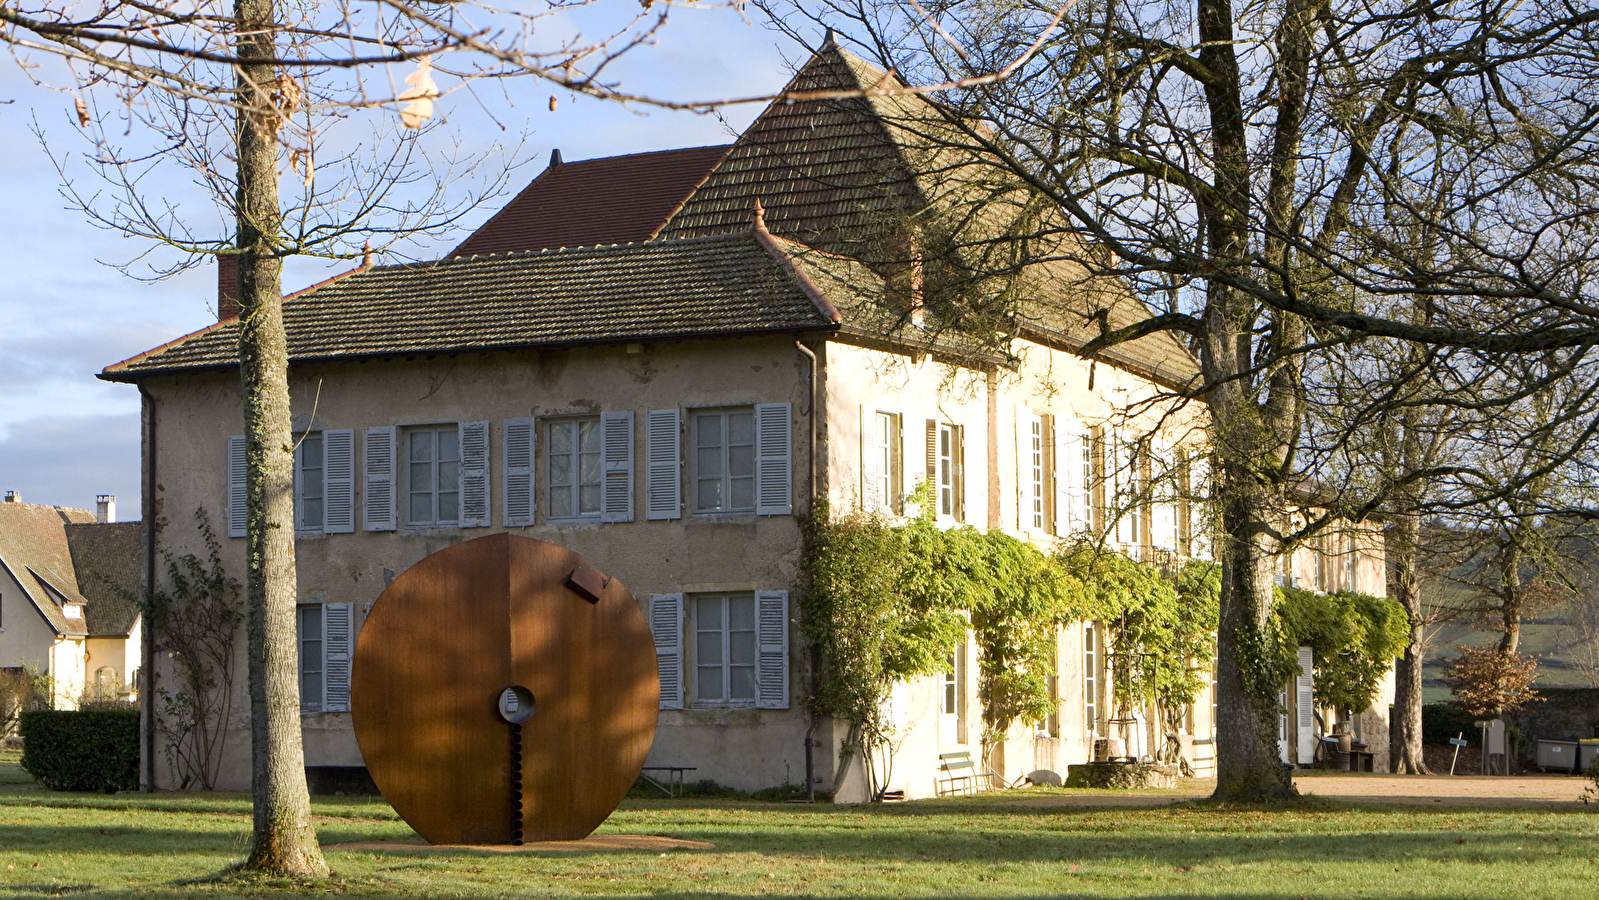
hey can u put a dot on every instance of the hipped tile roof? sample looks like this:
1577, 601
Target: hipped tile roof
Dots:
613, 200
719, 286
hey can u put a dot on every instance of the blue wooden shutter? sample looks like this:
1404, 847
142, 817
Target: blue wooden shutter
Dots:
338, 481
519, 503
474, 474
774, 469
663, 480
771, 669
379, 483
666, 626
616, 494
237, 497
338, 629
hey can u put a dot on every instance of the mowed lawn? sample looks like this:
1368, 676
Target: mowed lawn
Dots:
54, 845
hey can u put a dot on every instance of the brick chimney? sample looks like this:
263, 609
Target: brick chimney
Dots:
227, 288
105, 508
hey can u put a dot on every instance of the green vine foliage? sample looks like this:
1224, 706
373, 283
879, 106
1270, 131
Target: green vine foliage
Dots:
1355, 638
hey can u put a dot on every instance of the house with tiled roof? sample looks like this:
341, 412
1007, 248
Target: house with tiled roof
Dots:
69, 588
666, 390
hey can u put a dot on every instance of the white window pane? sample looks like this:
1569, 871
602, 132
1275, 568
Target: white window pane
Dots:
589, 499
421, 476
421, 508
449, 476
741, 462
589, 468
560, 437
708, 648
741, 648
561, 469
708, 494
560, 501
449, 506
708, 462
421, 446
743, 493
449, 445
708, 683
741, 428
708, 613
741, 683
589, 436
741, 612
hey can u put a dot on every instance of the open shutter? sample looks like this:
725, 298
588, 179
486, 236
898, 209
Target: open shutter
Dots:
518, 508
616, 496
872, 498
663, 455
958, 463
474, 474
1305, 706
774, 470
771, 624
666, 626
337, 631
236, 490
338, 510
1066, 476
378, 494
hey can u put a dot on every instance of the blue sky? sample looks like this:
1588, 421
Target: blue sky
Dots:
65, 314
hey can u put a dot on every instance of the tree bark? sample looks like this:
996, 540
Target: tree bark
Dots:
284, 841
1403, 542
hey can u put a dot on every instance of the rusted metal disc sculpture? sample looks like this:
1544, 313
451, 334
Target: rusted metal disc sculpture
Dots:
504, 691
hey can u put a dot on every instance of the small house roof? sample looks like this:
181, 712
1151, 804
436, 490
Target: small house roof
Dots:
610, 200
37, 550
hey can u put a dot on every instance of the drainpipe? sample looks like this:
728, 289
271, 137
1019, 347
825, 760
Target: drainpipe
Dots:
147, 633
810, 728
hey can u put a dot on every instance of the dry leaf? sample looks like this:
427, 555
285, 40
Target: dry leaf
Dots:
421, 94
83, 111
552, 103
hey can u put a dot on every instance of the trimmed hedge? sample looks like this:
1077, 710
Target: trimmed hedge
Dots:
87, 750
1442, 721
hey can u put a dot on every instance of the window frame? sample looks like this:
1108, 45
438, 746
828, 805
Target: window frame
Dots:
576, 484
407, 463
726, 664
303, 613
302, 483
724, 455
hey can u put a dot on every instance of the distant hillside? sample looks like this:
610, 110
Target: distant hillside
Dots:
1544, 638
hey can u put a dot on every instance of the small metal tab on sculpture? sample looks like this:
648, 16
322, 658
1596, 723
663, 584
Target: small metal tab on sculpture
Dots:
504, 690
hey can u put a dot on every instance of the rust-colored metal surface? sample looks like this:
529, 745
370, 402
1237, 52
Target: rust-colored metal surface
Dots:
435, 658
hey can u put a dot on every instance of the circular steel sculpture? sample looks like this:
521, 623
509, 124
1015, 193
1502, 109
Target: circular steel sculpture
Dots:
504, 691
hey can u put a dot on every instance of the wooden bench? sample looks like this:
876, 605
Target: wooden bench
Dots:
957, 773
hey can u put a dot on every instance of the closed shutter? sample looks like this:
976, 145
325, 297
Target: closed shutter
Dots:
934, 488
337, 631
1066, 476
616, 496
474, 474
338, 511
518, 508
1305, 706
774, 469
666, 626
237, 498
872, 498
663, 478
378, 488
771, 624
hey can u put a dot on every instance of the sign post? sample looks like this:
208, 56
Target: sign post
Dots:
1459, 741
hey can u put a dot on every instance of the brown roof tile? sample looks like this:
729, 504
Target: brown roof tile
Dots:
725, 285
614, 200
106, 559
34, 550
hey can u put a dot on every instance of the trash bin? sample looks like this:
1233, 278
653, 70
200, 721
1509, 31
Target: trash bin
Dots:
1587, 752
1558, 755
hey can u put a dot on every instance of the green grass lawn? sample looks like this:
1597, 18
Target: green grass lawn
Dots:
54, 844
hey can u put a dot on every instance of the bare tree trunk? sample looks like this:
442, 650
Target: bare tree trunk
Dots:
1403, 538
284, 840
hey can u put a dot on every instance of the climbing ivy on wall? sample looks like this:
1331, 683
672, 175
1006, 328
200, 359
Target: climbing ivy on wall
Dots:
1355, 638
888, 600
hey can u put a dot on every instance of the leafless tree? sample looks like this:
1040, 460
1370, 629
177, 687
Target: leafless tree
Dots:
1257, 172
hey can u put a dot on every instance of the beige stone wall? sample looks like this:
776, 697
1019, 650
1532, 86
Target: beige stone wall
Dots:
25, 637
743, 747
